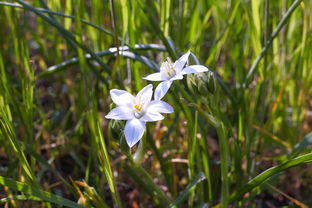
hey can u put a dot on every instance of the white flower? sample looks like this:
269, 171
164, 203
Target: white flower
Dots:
173, 71
137, 110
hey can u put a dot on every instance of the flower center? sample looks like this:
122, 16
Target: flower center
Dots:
138, 107
170, 68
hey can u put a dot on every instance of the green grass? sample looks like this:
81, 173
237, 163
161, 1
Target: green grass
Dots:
232, 136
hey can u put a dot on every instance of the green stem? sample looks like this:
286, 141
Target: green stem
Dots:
224, 151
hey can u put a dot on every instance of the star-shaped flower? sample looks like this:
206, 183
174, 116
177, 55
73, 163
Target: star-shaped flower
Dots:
173, 71
137, 111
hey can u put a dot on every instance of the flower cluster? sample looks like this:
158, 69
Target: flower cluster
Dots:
141, 109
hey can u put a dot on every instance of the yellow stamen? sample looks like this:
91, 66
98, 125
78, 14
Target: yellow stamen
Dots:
170, 67
138, 107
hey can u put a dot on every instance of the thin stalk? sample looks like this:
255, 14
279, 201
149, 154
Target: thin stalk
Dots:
113, 15
191, 157
224, 155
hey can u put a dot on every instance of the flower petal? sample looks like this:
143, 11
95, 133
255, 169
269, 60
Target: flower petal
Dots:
120, 113
154, 77
159, 106
162, 89
121, 97
152, 116
194, 69
134, 131
145, 95
177, 77
180, 63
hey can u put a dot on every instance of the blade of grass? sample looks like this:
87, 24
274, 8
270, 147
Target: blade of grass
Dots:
36, 192
264, 176
103, 154
19, 198
7, 129
189, 188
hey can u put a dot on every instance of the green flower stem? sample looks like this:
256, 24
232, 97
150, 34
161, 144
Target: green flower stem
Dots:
224, 150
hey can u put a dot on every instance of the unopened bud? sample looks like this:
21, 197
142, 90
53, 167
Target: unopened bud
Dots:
201, 83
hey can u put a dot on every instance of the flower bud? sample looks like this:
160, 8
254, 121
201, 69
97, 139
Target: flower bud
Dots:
201, 83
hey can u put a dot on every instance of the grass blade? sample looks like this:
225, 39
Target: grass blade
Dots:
264, 176
36, 192
191, 186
